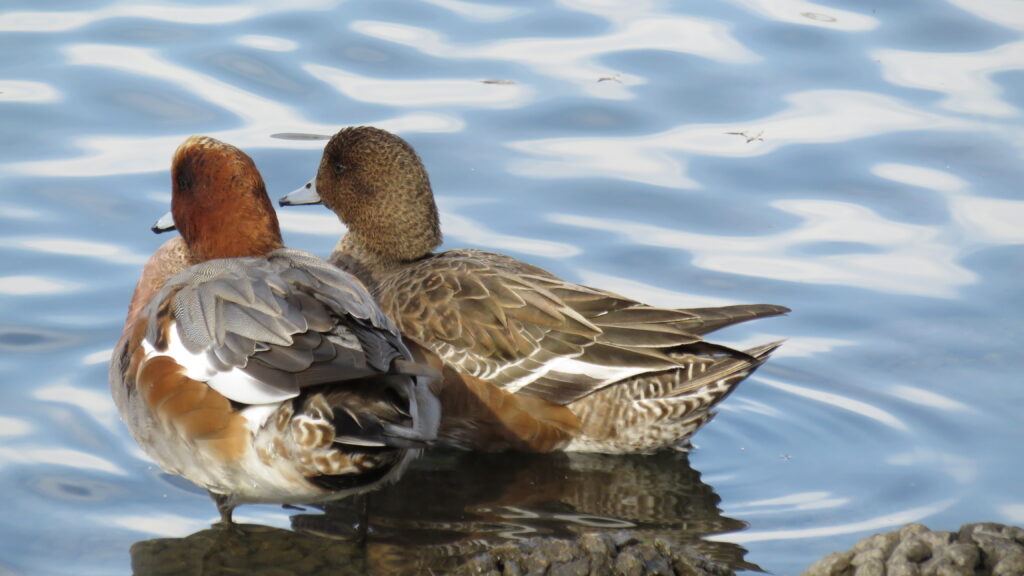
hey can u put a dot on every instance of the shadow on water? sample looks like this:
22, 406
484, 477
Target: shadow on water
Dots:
452, 507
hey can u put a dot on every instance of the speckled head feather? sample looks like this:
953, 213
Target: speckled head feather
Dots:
379, 188
220, 203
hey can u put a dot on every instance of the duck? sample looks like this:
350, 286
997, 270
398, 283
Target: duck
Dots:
258, 372
529, 361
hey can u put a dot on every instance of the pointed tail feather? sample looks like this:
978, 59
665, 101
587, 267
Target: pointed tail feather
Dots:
718, 318
763, 351
725, 374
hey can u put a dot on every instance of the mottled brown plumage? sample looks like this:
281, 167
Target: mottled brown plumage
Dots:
258, 372
635, 377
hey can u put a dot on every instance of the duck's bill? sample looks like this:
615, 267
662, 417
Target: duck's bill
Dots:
164, 224
305, 195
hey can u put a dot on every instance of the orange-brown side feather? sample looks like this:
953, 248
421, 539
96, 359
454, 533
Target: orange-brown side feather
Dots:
198, 413
481, 416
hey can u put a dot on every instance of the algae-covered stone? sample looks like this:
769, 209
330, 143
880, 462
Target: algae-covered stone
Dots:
985, 549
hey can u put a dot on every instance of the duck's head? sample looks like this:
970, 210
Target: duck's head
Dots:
376, 184
219, 203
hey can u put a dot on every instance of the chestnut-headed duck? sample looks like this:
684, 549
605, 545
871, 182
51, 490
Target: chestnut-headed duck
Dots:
530, 361
260, 373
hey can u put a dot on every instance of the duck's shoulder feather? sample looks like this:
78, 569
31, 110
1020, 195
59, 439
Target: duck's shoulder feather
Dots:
261, 329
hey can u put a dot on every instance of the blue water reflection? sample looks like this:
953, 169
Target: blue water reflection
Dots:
860, 164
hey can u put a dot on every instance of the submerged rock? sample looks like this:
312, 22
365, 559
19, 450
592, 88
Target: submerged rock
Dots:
596, 554
262, 550
982, 549
248, 549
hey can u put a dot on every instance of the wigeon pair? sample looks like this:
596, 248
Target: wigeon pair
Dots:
266, 374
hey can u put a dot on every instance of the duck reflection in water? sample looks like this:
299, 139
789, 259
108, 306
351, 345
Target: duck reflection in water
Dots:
455, 512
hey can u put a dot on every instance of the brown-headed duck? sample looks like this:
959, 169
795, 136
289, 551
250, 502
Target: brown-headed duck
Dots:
260, 373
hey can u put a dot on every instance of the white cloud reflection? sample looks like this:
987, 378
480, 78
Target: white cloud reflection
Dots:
421, 92
989, 220
27, 91
839, 401
166, 525
1012, 513
921, 177
1006, 13
99, 357
810, 14
35, 286
62, 21
57, 457
961, 468
269, 43
903, 258
477, 11
578, 59
979, 219
78, 247
964, 77
93, 403
819, 116
317, 222
69, 20
789, 503
796, 346
10, 427
884, 521
109, 155
469, 232
929, 399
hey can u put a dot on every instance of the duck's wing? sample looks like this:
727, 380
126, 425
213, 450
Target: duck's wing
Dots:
522, 329
615, 314
259, 330
626, 319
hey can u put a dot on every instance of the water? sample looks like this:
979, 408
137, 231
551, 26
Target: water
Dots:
857, 162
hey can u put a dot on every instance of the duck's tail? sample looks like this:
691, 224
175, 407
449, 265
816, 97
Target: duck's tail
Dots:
711, 319
664, 409
353, 436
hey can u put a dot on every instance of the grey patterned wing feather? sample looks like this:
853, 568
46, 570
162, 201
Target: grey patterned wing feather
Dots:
289, 320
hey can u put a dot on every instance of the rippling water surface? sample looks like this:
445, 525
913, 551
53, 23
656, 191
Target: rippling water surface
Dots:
857, 162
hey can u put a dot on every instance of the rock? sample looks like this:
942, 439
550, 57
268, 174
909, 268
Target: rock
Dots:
834, 563
982, 549
599, 554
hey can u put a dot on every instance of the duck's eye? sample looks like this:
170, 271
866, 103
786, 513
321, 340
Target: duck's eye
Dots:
339, 167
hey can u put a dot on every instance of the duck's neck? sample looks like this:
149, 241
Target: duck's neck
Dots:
172, 257
352, 256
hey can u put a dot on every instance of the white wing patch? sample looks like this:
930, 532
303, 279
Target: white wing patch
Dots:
256, 416
234, 384
565, 365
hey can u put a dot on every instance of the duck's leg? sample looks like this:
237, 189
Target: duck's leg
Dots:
224, 506
362, 504
226, 534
